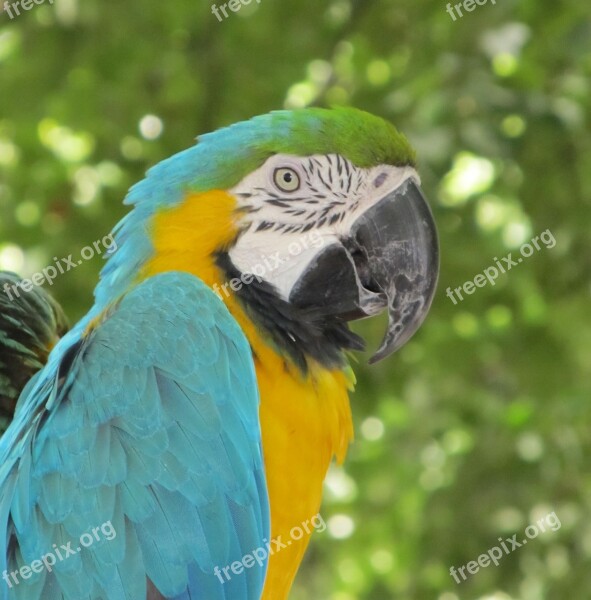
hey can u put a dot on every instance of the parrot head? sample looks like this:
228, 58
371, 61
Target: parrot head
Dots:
329, 225
335, 224
340, 230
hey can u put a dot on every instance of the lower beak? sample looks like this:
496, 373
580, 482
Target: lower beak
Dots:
389, 260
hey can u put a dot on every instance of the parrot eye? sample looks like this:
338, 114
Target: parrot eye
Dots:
286, 179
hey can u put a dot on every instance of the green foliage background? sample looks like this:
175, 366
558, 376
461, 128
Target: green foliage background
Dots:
480, 425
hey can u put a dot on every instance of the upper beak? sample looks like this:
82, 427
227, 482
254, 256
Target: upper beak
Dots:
390, 259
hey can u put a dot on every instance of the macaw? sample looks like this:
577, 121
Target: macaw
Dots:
197, 406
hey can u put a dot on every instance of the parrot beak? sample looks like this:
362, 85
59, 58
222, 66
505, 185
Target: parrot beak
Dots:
389, 260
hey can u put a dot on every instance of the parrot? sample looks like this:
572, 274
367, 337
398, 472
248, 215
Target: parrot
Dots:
180, 432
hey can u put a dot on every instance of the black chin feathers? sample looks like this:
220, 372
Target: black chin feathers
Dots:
297, 335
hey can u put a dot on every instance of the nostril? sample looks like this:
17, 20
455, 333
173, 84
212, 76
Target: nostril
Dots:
380, 179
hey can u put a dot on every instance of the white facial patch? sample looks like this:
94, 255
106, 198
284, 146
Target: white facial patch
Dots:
297, 205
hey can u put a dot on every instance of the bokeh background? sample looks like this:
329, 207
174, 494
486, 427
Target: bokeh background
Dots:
481, 424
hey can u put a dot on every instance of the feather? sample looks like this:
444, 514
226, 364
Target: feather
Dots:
163, 446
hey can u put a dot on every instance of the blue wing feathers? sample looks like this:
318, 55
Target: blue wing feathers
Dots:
148, 423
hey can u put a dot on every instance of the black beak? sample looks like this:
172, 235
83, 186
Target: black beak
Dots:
389, 260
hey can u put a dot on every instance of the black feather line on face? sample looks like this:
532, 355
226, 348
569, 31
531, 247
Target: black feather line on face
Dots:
293, 333
330, 184
264, 225
279, 203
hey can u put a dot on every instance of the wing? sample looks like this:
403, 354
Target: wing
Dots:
31, 323
135, 460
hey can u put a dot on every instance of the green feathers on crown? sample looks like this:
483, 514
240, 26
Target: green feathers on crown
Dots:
364, 139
